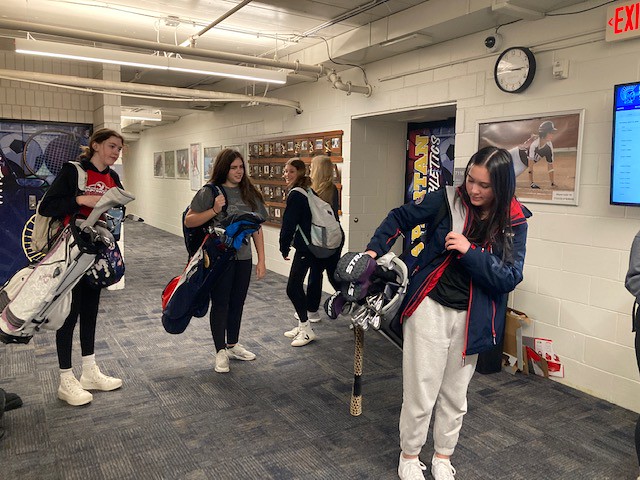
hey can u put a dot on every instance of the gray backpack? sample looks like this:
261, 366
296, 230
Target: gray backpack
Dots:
326, 232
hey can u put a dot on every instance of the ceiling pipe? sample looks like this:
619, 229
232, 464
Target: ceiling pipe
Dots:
348, 87
141, 88
188, 51
192, 39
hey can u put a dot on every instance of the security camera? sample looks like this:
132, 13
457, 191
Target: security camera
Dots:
493, 42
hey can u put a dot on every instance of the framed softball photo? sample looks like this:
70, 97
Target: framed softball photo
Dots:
182, 163
195, 175
208, 157
545, 150
169, 164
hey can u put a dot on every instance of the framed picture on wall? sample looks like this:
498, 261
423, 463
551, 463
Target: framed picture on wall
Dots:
158, 164
195, 175
182, 163
170, 164
241, 149
208, 157
545, 150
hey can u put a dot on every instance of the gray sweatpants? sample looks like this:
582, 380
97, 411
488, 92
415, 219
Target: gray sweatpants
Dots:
433, 374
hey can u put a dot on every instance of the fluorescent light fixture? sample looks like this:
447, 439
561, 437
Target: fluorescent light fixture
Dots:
142, 114
156, 62
517, 12
419, 38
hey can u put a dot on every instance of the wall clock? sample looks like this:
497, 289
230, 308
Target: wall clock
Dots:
515, 69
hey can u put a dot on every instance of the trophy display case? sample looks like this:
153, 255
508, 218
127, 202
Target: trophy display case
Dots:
267, 158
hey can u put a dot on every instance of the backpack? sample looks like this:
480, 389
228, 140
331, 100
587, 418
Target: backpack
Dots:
194, 236
47, 229
326, 232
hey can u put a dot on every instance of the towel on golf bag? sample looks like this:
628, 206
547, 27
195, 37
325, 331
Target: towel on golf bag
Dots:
188, 294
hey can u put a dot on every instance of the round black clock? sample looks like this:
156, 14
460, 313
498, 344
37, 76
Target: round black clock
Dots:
515, 69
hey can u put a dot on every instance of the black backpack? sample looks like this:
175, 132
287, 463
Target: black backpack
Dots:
194, 236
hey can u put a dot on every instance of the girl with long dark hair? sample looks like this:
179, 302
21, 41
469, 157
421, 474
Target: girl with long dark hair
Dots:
297, 216
230, 291
456, 299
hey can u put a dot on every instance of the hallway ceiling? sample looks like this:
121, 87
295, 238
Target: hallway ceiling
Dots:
285, 30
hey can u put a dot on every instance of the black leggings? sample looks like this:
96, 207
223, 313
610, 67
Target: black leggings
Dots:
314, 285
304, 262
84, 304
227, 301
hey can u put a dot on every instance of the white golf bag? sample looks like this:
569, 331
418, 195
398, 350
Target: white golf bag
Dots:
39, 296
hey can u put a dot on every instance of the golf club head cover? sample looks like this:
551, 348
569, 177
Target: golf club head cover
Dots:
336, 305
355, 267
356, 291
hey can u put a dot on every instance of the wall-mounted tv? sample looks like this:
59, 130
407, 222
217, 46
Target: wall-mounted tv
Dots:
625, 154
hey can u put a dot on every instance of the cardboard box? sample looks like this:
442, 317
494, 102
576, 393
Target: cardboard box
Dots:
514, 322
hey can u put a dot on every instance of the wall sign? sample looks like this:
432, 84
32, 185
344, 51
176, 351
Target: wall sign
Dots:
623, 21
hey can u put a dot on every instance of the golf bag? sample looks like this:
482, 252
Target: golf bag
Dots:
39, 296
188, 294
372, 293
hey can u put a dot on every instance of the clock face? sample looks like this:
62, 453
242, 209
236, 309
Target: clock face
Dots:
515, 69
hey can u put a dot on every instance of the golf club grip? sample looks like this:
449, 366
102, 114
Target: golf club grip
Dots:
356, 395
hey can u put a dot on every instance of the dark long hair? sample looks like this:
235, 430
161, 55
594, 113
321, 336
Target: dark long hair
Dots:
98, 137
496, 226
302, 180
221, 167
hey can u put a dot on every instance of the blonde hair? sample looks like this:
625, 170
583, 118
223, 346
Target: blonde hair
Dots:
322, 177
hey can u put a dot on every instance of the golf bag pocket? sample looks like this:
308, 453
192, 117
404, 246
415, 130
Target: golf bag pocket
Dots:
108, 269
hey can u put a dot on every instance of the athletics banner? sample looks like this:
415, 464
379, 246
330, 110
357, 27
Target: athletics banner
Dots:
429, 167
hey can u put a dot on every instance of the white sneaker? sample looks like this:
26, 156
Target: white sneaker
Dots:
238, 352
72, 392
411, 469
222, 361
304, 336
313, 317
293, 332
441, 468
93, 379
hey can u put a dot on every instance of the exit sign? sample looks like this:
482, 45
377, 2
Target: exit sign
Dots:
623, 21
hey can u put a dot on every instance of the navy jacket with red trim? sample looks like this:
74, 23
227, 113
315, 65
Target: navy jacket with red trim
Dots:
491, 279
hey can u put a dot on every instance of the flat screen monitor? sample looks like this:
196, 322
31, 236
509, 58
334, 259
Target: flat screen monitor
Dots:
625, 154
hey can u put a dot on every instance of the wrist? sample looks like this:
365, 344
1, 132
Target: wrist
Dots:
214, 211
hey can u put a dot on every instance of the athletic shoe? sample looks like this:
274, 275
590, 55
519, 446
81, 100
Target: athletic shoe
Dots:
238, 352
93, 379
441, 468
411, 469
222, 361
305, 335
293, 332
313, 317
71, 391
535, 186
12, 401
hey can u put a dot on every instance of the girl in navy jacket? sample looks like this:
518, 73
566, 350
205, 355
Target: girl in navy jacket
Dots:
456, 300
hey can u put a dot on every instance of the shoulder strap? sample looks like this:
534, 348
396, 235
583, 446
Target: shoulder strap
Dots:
301, 190
82, 175
217, 190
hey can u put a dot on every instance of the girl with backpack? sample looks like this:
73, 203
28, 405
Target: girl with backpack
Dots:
230, 292
63, 200
456, 299
297, 215
322, 183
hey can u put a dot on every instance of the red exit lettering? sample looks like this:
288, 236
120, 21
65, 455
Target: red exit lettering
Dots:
626, 18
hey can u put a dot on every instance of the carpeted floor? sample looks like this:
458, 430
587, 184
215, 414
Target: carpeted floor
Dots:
284, 415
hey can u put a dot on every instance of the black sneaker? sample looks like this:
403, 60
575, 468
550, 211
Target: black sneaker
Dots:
12, 401
535, 185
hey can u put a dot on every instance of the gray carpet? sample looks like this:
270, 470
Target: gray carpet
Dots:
284, 415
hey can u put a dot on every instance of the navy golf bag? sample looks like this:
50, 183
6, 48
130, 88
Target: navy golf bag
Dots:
39, 296
188, 294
